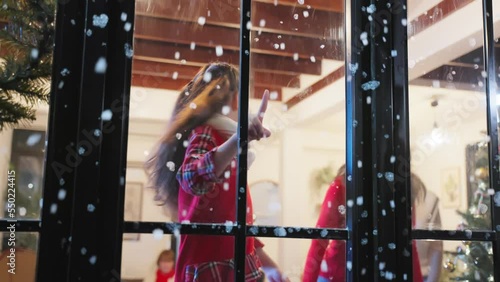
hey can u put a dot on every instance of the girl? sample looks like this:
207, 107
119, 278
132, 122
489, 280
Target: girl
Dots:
165, 264
194, 174
326, 259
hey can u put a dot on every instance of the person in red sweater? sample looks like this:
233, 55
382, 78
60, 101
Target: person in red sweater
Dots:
194, 174
326, 258
165, 264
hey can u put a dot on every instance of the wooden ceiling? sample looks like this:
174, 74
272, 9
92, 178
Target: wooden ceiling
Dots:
286, 41
174, 38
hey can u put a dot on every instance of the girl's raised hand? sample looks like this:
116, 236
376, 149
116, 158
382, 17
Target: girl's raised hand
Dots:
256, 130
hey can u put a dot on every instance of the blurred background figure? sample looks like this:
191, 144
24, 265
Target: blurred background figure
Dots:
166, 266
428, 217
326, 258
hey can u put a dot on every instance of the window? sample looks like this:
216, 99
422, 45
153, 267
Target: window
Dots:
371, 85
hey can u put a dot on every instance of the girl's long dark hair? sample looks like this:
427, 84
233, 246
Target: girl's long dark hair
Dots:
215, 86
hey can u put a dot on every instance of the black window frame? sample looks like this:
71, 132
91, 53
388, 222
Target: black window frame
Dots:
98, 177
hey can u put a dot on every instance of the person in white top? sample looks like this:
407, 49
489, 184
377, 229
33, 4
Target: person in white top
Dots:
428, 218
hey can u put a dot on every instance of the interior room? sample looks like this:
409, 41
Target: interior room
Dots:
297, 53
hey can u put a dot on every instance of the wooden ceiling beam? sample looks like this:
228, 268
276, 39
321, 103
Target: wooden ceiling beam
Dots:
314, 88
181, 54
274, 79
265, 16
435, 14
325, 5
164, 69
159, 82
456, 74
172, 31
141, 67
149, 81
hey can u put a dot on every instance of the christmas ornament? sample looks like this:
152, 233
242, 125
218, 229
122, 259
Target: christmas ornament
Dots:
483, 208
449, 265
481, 173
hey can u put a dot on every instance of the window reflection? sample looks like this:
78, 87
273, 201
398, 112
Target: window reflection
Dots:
448, 115
463, 261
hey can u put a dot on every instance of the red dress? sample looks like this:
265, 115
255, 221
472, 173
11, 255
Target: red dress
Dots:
327, 258
206, 198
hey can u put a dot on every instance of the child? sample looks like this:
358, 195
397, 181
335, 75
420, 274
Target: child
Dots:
194, 174
165, 264
326, 258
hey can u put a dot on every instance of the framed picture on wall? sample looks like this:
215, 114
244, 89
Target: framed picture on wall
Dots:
450, 187
133, 206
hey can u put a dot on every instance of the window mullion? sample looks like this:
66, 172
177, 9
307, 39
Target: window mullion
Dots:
241, 193
491, 64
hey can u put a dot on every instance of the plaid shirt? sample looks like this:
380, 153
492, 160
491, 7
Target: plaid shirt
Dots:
197, 174
204, 198
223, 271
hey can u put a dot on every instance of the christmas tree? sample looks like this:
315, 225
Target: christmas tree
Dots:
26, 44
473, 261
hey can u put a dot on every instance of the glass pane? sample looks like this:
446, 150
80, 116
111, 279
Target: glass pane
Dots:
18, 255
452, 260
149, 246
171, 46
448, 116
297, 55
27, 40
24, 178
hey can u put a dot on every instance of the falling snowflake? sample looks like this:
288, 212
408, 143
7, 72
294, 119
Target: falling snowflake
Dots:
371, 9
100, 21
254, 230
218, 50
92, 260
101, 65
65, 72
359, 200
123, 17
61, 195
353, 68
341, 209
129, 52
171, 166
158, 234
207, 77
192, 46
229, 226
370, 85
364, 38
127, 26
90, 208
280, 231
496, 199
324, 266
389, 176
202, 20
295, 56
34, 54
106, 115
53, 208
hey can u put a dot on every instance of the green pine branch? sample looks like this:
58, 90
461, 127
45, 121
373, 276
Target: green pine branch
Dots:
24, 78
